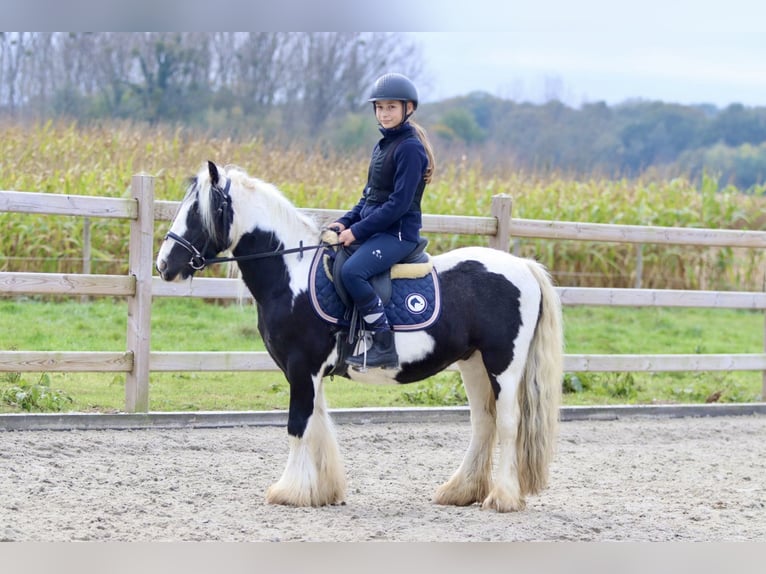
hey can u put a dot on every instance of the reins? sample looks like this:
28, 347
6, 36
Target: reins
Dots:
299, 250
198, 261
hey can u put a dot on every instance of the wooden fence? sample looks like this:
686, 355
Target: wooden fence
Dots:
139, 287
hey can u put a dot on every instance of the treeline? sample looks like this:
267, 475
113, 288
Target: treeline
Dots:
311, 87
243, 81
623, 140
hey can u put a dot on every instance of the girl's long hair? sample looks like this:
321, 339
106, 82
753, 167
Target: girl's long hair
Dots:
423, 137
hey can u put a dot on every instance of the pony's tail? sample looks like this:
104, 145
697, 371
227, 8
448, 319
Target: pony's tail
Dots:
540, 390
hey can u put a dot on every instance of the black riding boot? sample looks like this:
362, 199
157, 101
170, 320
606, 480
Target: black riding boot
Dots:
381, 354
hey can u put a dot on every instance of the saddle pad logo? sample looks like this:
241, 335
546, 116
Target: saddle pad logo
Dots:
416, 303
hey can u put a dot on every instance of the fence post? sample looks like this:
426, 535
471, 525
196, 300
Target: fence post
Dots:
639, 265
140, 303
501, 210
86, 253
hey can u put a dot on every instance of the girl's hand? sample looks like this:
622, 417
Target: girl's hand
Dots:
336, 226
346, 237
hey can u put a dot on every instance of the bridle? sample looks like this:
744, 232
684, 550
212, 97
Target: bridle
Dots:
199, 262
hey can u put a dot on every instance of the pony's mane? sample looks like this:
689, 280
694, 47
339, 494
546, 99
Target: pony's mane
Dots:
283, 216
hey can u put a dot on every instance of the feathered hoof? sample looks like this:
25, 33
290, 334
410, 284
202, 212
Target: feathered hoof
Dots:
503, 502
454, 493
278, 494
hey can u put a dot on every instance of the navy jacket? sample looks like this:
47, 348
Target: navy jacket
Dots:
399, 214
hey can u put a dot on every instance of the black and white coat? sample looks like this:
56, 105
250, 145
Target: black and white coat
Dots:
500, 323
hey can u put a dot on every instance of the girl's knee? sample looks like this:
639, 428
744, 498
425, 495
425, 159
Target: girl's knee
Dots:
349, 275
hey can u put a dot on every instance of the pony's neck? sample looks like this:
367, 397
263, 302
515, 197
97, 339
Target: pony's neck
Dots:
264, 222
262, 206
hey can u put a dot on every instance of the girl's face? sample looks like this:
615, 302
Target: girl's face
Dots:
390, 113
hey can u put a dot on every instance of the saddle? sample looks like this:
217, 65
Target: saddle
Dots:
416, 265
409, 290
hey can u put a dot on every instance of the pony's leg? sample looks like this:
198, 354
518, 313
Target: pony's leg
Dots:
314, 474
506, 495
473, 478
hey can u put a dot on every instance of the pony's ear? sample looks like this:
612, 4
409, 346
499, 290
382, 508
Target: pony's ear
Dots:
213, 170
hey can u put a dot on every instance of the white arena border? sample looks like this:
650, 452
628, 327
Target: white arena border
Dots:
360, 416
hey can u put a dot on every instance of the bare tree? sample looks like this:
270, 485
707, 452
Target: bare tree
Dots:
25, 75
13, 50
175, 70
332, 72
223, 50
78, 51
116, 69
42, 74
298, 80
261, 64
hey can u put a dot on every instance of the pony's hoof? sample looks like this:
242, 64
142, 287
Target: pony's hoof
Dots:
286, 497
448, 494
278, 495
503, 503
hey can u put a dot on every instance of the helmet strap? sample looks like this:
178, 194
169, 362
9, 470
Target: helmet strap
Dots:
404, 111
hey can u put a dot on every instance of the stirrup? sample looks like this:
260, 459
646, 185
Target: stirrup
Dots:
380, 354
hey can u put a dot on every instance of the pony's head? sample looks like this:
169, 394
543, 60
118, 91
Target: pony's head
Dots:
201, 228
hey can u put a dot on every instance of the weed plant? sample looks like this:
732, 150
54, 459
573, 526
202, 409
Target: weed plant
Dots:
21, 395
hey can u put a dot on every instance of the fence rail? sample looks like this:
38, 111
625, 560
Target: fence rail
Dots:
139, 287
636, 233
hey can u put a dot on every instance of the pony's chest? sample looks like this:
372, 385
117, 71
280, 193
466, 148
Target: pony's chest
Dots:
290, 325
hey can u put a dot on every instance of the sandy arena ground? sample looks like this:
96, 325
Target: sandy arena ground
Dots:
635, 479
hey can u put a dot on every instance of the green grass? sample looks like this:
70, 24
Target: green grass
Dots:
185, 324
659, 330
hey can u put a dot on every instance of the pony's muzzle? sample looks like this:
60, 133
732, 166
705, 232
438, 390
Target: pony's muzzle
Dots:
162, 269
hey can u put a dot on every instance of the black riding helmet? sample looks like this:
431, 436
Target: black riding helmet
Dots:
393, 86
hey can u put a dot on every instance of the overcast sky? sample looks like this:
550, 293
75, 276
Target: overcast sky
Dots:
685, 51
700, 51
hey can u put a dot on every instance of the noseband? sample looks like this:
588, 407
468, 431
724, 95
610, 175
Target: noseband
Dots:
197, 260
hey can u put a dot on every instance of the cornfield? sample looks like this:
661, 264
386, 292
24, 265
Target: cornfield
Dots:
100, 161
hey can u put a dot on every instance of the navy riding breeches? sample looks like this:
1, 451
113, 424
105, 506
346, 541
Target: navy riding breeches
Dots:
376, 255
